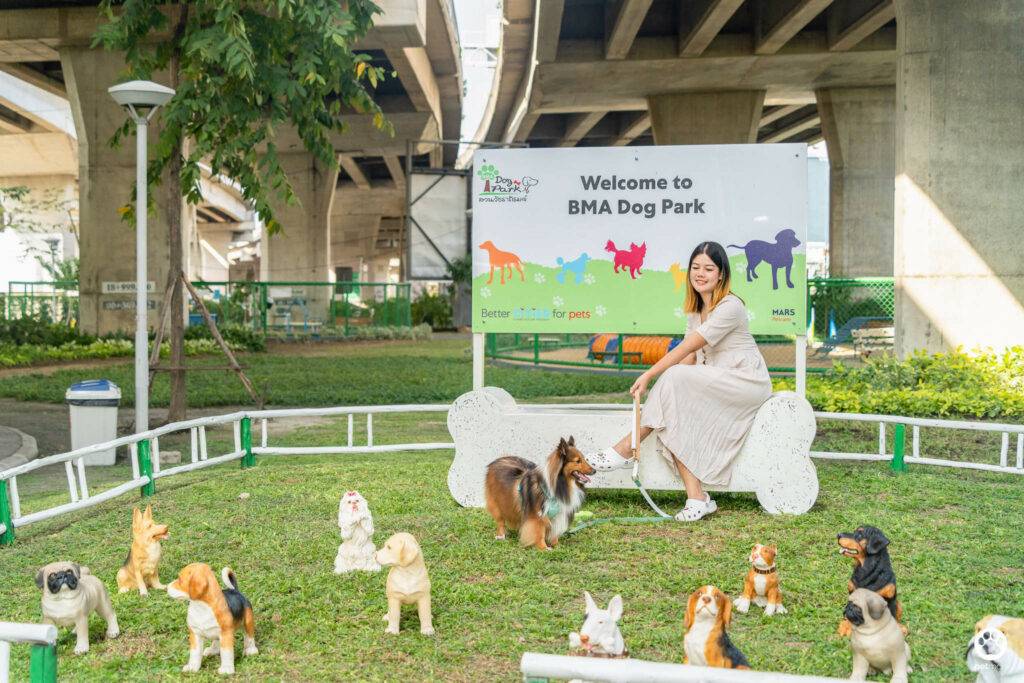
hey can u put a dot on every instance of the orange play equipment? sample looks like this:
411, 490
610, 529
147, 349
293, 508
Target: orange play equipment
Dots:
635, 350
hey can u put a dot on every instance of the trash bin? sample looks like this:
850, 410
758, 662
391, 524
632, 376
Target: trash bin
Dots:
93, 406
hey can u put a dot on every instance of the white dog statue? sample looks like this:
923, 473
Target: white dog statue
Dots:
356, 550
600, 635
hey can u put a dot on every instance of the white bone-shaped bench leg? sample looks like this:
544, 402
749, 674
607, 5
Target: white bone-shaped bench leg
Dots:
774, 463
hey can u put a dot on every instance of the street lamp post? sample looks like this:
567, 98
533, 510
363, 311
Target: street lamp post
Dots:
141, 99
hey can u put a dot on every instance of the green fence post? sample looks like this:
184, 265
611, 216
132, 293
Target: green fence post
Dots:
898, 464
7, 537
621, 341
146, 468
536, 348
42, 667
248, 460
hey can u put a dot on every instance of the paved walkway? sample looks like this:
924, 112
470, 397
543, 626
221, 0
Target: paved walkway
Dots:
16, 447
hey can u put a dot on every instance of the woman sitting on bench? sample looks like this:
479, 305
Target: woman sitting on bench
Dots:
710, 388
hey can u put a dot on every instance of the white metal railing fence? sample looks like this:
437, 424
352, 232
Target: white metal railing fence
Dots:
146, 468
43, 659
537, 667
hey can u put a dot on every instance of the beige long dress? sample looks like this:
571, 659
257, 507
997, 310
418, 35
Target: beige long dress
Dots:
701, 413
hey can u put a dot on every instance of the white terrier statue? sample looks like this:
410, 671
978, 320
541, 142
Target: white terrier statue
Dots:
356, 550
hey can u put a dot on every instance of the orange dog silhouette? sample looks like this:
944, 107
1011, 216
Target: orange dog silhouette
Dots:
502, 260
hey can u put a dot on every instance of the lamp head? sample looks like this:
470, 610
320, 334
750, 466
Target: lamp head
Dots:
141, 95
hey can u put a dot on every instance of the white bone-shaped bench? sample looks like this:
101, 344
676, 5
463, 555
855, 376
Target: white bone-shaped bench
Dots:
774, 463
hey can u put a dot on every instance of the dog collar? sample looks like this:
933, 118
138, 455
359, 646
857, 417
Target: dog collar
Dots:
770, 570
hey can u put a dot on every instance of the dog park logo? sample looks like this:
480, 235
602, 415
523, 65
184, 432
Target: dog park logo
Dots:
499, 188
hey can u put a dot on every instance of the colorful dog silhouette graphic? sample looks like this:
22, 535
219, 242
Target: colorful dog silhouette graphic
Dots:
777, 255
577, 268
632, 259
502, 260
678, 275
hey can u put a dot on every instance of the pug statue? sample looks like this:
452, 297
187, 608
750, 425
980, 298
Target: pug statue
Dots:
878, 643
70, 594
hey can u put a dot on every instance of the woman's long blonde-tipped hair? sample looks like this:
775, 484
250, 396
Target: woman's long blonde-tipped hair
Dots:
694, 303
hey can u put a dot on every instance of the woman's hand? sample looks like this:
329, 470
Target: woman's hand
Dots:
639, 386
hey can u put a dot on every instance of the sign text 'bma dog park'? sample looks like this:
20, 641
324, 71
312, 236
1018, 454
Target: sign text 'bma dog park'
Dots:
598, 239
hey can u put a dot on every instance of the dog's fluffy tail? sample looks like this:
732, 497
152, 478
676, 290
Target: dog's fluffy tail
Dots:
228, 577
610, 246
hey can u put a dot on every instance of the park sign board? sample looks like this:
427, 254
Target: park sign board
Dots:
597, 239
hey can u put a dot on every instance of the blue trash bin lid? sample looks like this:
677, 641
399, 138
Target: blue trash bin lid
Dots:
93, 392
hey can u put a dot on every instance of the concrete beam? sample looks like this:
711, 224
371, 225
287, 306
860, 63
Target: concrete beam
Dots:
402, 23
377, 201
778, 113
633, 129
625, 23
362, 139
394, 165
578, 126
696, 39
417, 76
12, 127
548, 29
227, 199
354, 172
793, 129
33, 35
205, 227
35, 78
36, 154
39, 123
706, 118
874, 19
543, 48
789, 25
581, 80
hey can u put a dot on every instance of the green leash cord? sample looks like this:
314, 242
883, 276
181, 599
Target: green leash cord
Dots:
662, 516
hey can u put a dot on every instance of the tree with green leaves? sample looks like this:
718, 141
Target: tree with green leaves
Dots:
243, 70
488, 173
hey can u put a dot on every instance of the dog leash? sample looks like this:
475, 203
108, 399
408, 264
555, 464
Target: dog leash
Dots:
634, 448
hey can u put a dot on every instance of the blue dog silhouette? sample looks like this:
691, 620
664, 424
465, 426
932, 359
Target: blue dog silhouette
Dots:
577, 267
778, 255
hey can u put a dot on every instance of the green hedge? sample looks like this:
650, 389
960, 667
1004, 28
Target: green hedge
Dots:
981, 384
12, 356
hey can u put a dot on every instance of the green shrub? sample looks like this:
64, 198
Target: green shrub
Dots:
982, 385
434, 310
36, 354
237, 336
31, 331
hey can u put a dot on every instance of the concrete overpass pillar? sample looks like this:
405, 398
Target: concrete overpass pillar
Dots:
106, 179
859, 126
959, 163
705, 118
301, 252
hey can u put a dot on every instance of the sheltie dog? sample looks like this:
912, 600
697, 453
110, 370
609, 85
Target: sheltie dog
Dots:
539, 502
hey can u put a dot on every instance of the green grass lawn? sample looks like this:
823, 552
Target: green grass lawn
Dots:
356, 374
955, 548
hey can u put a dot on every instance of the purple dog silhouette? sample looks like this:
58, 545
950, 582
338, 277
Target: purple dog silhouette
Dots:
778, 255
